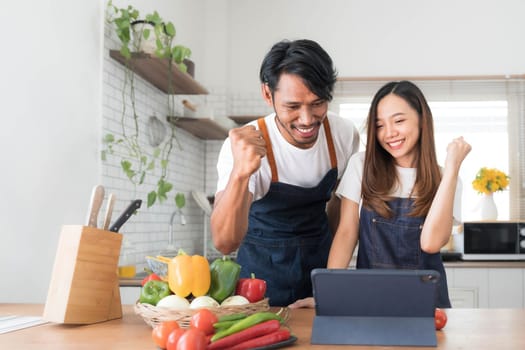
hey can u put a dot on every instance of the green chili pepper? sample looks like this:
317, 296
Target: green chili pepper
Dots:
219, 327
247, 322
153, 291
227, 321
232, 317
224, 324
224, 276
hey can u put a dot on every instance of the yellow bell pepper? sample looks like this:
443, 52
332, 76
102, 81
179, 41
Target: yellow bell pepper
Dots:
189, 275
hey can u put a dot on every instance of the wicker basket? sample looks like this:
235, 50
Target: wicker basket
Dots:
153, 315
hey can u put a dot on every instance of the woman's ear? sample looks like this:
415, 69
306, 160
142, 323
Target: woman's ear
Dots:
267, 94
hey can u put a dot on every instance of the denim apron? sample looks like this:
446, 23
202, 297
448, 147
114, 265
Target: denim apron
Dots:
394, 243
288, 233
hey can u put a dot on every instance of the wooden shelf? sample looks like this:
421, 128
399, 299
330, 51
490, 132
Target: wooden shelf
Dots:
243, 119
155, 70
200, 127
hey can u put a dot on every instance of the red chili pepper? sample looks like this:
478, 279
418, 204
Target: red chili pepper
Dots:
252, 288
265, 340
257, 330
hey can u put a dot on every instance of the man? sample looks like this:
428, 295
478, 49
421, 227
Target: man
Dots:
277, 174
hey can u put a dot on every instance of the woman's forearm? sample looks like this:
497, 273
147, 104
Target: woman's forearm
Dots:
438, 223
346, 236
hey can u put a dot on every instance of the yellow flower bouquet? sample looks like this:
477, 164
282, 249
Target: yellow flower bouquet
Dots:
490, 180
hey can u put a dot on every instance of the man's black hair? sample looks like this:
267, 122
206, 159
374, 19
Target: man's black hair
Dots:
304, 58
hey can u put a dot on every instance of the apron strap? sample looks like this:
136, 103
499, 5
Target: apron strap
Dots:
330, 142
269, 151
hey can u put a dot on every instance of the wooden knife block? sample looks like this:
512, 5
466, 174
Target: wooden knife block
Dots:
84, 285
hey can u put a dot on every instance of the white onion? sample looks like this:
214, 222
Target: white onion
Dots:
235, 300
203, 301
174, 302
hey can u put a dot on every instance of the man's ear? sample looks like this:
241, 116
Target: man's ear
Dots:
267, 94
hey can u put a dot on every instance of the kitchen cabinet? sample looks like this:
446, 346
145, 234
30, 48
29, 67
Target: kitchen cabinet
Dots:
463, 298
491, 287
506, 288
129, 295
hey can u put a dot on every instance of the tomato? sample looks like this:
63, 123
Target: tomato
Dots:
440, 318
174, 337
203, 320
192, 339
161, 332
150, 277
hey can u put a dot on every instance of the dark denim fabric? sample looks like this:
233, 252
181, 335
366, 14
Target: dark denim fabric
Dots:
288, 236
394, 243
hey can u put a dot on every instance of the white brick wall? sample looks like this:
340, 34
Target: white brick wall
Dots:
148, 230
192, 165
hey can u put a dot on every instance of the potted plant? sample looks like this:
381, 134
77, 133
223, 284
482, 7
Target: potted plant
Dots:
129, 25
136, 161
486, 182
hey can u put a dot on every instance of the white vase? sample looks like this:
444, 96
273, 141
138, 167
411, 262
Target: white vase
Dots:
489, 211
140, 43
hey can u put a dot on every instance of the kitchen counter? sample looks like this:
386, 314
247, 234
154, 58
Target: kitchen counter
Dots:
135, 281
132, 281
478, 329
485, 264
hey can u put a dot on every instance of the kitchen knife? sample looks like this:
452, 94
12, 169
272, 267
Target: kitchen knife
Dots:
109, 211
97, 197
126, 215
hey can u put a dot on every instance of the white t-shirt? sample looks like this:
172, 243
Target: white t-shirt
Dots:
350, 184
295, 166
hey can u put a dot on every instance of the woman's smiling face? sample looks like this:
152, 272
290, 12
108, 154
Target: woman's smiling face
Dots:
299, 112
398, 131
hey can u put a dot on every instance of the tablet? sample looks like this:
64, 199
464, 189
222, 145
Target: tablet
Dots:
374, 307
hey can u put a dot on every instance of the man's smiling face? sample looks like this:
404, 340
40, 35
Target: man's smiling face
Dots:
299, 112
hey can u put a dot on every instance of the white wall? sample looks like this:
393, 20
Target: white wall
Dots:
382, 37
51, 78
50, 87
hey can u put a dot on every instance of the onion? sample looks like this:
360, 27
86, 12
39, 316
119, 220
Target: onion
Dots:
235, 300
174, 302
203, 301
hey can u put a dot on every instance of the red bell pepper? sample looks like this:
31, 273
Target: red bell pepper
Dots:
151, 277
252, 288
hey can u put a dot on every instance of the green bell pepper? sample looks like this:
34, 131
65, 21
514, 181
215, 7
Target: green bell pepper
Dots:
153, 291
224, 276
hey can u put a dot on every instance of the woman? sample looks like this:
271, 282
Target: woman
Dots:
407, 200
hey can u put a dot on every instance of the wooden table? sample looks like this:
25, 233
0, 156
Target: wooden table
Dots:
478, 329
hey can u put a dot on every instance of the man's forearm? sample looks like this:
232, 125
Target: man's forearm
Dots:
229, 219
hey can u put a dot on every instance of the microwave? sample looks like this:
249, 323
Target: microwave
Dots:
496, 240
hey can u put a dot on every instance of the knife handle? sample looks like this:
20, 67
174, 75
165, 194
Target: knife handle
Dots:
109, 211
97, 197
126, 215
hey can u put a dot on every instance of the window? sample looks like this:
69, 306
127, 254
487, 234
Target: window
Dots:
489, 114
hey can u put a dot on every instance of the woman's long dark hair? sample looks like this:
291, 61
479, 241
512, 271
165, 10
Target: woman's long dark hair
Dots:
378, 182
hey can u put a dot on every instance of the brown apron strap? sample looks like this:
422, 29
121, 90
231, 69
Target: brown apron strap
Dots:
269, 151
330, 142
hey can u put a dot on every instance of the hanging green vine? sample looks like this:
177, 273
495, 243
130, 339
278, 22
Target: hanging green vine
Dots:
136, 163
